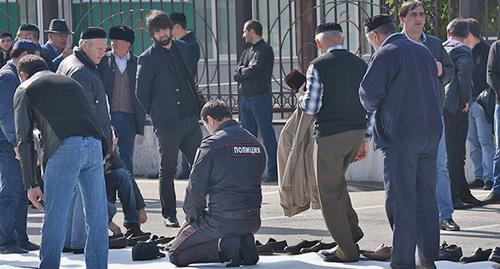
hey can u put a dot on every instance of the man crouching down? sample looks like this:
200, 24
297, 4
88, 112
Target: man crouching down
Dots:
223, 197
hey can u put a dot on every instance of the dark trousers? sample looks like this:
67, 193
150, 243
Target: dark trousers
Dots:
125, 127
256, 113
186, 137
119, 180
13, 199
332, 156
410, 185
199, 241
456, 126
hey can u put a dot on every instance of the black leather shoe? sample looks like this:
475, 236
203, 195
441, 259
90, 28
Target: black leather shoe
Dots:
172, 222
118, 242
264, 249
248, 251
493, 198
13, 250
134, 230
488, 185
460, 205
479, 255
271, 246
319, 246
476, 184
495, 255
471, 200
449, 225
450, 253
29, 246
302, 244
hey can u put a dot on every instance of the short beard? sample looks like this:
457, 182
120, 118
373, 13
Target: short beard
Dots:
164, 42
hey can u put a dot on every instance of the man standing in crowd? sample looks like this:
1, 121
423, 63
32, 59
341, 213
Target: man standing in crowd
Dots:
13, 199
456, 109
117, 71
28, 31
408, 140
412, 18
480, 133
332, 96
493, 79
227, 173
73, 155
254, 74
180, 32
5, 47
166, 92
81, 66
56, 48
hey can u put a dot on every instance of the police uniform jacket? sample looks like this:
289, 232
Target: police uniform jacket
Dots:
226, 174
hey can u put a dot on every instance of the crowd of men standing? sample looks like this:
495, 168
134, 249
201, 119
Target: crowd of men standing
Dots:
103, 97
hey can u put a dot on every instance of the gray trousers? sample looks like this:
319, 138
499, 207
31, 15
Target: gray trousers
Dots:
199, 241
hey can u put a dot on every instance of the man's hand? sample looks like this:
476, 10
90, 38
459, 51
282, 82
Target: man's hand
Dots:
142, 217
362, 152
18, 156
466, 108
440, 68
67, 52
35, 195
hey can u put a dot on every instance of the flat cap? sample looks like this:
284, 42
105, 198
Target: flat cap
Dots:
374, 22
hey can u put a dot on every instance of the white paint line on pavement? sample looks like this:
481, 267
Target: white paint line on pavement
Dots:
481, 227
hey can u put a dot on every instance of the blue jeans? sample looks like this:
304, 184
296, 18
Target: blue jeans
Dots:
75, 229
480, 138
496, 165
256, 113
13, 199
125, 127
443, 183
410, 187
77, 161
119, 180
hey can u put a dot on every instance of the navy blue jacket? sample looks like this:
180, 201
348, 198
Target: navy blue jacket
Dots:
401, 88
53, 55
9, 81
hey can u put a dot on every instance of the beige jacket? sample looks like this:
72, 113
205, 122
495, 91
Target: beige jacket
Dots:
296, 177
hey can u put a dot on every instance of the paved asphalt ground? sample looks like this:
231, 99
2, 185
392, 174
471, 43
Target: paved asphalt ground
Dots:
480, 226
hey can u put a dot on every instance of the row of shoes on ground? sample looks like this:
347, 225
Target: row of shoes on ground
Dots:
273, 246
454, 253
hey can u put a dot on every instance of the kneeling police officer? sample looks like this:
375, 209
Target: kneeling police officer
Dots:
223, 197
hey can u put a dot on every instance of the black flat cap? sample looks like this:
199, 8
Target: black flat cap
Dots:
93, 33
328, 26
28, 27
377, 21
143, 251
122, 33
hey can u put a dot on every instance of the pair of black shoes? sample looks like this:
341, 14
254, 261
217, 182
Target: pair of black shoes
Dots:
478, 184
450, 253
271, 246
238, 250
467, 202
480, 255
304, 244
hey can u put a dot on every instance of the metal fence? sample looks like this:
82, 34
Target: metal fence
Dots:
215, 23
